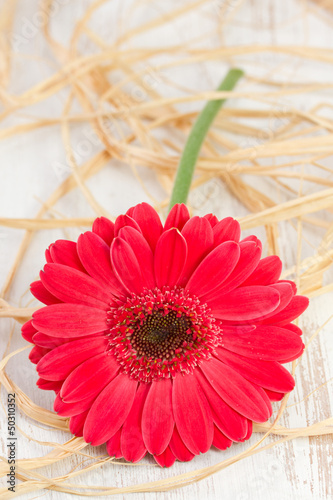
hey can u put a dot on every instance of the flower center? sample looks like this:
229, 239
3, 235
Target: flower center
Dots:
160, 333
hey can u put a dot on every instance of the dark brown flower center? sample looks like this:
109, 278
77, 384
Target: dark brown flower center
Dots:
161, 335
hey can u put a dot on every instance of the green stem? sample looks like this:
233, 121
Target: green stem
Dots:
197, 136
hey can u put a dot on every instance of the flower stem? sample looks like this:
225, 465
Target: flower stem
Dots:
194, 142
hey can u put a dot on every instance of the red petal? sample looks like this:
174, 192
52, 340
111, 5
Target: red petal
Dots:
268, 374
110, 410
212, 219
127, 267
132, 445
37, 353
293, 328
142, 252
28, 331
236, 391
39, 291
231, 423
69, 320
113, 445
250, 253
192, 414
104, 228
48, 257
214, 269
178, 447
70, 285
76, 423
269, 343
291, 283
95, 256
149, 223
166, 459
89, 378
170, 258
49, 385
157, 418
59, 363
71, 409
265, 398
295, 308
286, 294
64, 252
227, 229
250, 238
274, 396
235, 329
246, 303
249, 429
268, 271
178, 216
199, 237
130, 211
292, 358
125, 220
220, 441
49, 342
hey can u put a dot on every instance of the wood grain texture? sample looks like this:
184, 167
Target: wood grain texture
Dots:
300, 469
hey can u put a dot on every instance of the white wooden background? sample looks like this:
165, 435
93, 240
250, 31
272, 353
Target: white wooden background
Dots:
301, 469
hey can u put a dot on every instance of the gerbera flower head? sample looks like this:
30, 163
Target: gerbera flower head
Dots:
164, 339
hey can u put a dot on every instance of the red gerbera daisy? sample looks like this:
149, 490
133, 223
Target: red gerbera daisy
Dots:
164, 340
